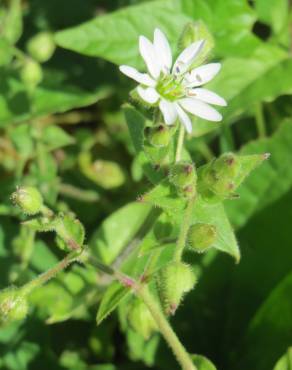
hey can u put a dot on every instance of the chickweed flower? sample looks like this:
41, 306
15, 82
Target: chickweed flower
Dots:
176, 88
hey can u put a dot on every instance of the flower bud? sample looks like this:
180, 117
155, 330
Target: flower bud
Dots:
201, 236
28, 199
31, 73
183, 174
13, 306
195, 31
140, 319
173, 281
41, 46
159, 136
70, 232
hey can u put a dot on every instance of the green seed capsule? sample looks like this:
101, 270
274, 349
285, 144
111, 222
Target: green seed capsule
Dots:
173, 281
159, 136
31, 73
201, 236
140, 319
13, 306
28, 199
183, 174
41, 46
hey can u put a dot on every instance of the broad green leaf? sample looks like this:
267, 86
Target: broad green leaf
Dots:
285, 362
16, 106
269, 332
215, 214
202, 363
122, 228
268, 182
273, 12
114, 36
55, 137
114, 294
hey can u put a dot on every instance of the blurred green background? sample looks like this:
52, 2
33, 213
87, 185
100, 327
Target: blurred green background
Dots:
62, 130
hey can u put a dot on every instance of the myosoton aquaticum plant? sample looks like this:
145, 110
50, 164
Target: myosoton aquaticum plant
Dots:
149, 281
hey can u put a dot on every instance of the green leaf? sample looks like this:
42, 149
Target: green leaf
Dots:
269, 332
121, 228
215, 214
273, 12
55, 137
285, 362
202, 363
111, 299
5, 52
16, 106
263, 187
114, 36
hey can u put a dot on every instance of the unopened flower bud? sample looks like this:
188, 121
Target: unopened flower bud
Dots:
31, 73
159, 136
70, 232
41, 46
183, 174
13, 306
28, 199
201, 236
140, 319
174, 280
196, 31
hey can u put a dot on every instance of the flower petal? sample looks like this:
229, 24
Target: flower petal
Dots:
168, 110
149, 94
201, 75
184, 118
142, 78
162, 48
200, 109
148, 53
207, 96
187, 56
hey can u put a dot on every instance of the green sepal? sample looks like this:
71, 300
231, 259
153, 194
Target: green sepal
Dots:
173, 281
201, 236
70, 232
140, 318
183, 174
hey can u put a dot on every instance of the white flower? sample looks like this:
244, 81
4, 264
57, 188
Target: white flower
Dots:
175, 89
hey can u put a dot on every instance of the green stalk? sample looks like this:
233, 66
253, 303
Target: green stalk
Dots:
180, 143
260, 120
182, 238
166, 330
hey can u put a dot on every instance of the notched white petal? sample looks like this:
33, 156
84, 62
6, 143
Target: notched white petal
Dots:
203, 74
187, 56
207, 96
149, 94
148, 53
184, 118
162, 49
168, 110
142, 78
200, 109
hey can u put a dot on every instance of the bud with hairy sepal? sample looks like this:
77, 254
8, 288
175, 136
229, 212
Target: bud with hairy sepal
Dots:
28, 199
201, 237
41, 46
160, 135
140, 318
195, 31
70, 232
173, 281
31, 73
183, 174
13, 305
221, 177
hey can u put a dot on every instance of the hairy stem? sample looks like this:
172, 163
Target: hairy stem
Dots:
52, 272
166, 330
186, 221
180, 143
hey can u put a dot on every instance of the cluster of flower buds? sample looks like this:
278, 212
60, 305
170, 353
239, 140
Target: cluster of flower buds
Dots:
13, 305
184, 177
140, 318
173, 281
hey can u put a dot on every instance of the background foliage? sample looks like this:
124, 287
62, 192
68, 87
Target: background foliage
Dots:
68, 137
